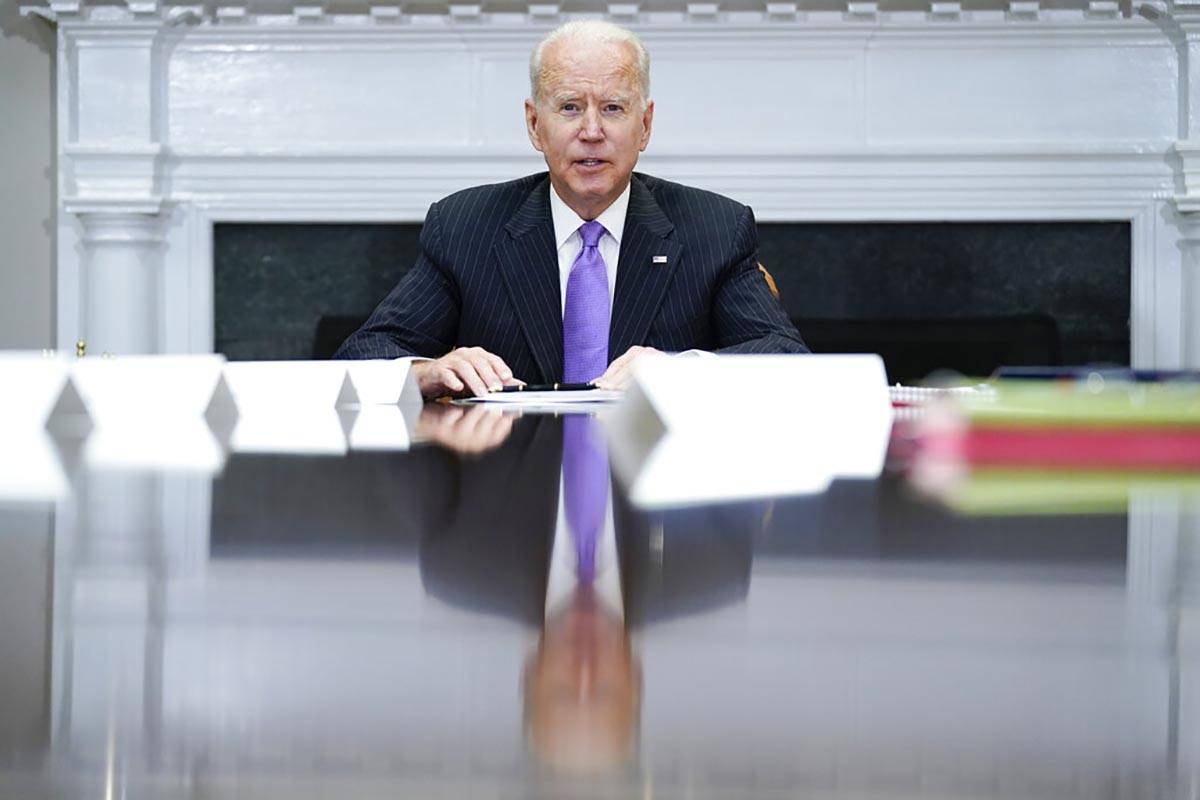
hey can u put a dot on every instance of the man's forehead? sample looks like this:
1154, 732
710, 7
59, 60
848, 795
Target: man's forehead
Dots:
566, 88
617, 86
610, 65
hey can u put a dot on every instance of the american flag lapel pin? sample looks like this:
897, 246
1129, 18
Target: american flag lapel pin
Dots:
659, 259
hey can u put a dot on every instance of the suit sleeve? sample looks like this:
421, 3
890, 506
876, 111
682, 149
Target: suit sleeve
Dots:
419, 317
747, 317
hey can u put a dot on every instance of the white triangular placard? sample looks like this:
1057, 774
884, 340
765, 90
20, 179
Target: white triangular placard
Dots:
70, 413
384, 381
384, 428
347, 395
184, 445
31, 469
222, 411
138, 390
312, 431
283, 386
33, 385
691, 429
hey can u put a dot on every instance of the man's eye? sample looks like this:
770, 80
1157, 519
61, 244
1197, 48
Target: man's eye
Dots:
571, 107
613, 108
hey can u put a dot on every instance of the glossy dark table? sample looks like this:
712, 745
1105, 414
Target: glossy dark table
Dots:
373, 625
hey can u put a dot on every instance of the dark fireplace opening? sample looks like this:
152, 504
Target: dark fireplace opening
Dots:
965, 296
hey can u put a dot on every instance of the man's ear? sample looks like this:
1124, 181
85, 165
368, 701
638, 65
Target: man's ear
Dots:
647, 124
531, 119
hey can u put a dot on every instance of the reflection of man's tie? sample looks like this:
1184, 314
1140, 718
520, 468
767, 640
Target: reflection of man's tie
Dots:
585, 317
585, 486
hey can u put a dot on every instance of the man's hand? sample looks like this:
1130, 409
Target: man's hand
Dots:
464, 371
620, 372
464, 430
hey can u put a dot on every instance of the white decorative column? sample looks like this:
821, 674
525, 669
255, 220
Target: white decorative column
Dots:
1189, 245
110, 131
121, 280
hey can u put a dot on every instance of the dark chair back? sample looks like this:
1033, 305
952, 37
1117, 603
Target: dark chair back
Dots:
331, 332
913, 348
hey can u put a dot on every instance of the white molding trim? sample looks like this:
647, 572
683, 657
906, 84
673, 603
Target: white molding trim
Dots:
447, 13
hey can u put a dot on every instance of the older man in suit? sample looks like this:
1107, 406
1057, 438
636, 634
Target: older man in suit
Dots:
573, 274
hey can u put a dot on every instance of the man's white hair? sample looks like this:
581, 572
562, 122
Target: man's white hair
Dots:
591, 32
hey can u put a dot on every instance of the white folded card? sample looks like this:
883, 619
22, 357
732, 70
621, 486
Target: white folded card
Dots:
382, 427
301, 430
384, 382
289, 406
33, 385
733, 427
684, 470
283, 385
186, 444
31, 467
137, 390
773, 393
148, 412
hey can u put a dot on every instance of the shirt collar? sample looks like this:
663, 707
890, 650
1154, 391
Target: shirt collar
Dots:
567, 222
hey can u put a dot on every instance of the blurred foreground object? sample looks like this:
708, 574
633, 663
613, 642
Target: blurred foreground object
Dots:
1061, 446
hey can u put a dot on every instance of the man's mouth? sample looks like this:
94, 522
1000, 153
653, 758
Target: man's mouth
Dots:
590, 162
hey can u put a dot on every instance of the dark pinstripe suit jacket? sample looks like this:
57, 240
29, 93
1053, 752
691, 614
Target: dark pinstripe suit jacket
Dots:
488, 277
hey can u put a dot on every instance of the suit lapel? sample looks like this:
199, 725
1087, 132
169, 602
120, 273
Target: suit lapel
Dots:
528, 262
641, 283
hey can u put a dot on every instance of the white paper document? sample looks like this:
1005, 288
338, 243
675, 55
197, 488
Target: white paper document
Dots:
548, 398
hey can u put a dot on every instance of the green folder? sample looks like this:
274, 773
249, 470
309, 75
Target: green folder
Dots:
1011, 492
1086, 403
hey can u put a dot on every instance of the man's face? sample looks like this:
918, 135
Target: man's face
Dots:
589, 122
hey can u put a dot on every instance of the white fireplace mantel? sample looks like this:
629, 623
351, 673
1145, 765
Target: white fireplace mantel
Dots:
171, 118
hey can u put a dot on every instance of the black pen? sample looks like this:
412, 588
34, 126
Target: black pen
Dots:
546, 387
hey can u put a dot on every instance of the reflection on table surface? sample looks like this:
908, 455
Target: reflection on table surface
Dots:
401, 624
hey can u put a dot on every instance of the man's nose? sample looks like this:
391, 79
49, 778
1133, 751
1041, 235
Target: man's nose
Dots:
591, 127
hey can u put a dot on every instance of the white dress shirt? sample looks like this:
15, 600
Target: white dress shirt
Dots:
569, 242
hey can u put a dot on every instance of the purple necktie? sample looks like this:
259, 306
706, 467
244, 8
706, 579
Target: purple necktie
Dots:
585, 488
585, 317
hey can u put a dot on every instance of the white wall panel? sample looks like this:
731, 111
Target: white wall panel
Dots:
114, 94
257, 98
503, 87
751, 101
1061, 93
